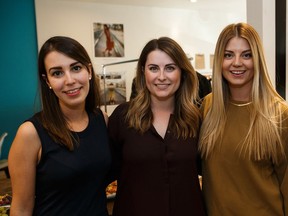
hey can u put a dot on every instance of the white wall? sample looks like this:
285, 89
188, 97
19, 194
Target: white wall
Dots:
261, 15
195, 30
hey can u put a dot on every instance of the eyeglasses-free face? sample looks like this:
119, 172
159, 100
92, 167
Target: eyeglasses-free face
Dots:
238, 67
68, 78
162, 75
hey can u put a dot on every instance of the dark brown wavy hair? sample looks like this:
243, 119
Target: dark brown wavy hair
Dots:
186, 113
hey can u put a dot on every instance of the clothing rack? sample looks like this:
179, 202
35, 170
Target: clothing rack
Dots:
104, 75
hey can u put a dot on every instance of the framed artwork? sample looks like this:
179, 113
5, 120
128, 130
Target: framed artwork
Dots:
211, 60
199, 61
113, 88
108, 40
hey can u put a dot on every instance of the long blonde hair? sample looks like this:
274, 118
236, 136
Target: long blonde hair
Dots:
186, 113
263, 139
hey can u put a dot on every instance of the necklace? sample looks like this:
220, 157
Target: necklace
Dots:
243, 104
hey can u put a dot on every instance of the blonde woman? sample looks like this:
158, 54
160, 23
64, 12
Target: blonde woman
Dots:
243, 140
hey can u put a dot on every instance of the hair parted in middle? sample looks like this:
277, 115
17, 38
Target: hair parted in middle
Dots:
186, 112
263, 139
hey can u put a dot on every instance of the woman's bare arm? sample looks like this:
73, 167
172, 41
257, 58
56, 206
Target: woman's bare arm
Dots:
22, 162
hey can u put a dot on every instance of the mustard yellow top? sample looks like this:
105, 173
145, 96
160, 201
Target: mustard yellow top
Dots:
234, 185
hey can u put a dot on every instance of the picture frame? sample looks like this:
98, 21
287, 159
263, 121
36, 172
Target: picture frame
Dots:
108, 40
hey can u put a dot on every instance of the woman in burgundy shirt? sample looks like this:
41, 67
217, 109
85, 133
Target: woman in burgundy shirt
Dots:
154, 137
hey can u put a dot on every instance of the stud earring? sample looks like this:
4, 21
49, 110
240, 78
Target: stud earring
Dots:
50, 87
90, 78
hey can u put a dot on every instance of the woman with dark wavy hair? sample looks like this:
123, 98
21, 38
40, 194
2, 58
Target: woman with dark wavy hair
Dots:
60, 157
154, 137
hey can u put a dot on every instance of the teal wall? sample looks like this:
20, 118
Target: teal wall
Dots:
18, 66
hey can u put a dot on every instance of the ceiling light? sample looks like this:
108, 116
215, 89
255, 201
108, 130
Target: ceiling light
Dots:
193, 1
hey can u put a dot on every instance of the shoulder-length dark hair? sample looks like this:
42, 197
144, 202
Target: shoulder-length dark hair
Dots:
51, 116
186, 113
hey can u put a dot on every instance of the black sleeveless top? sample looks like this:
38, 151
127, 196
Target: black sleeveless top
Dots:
73, 182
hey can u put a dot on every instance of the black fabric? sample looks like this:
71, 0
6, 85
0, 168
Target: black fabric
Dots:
73, 182
157, 177
204, 86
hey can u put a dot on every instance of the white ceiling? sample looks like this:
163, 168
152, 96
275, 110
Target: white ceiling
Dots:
180, 4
